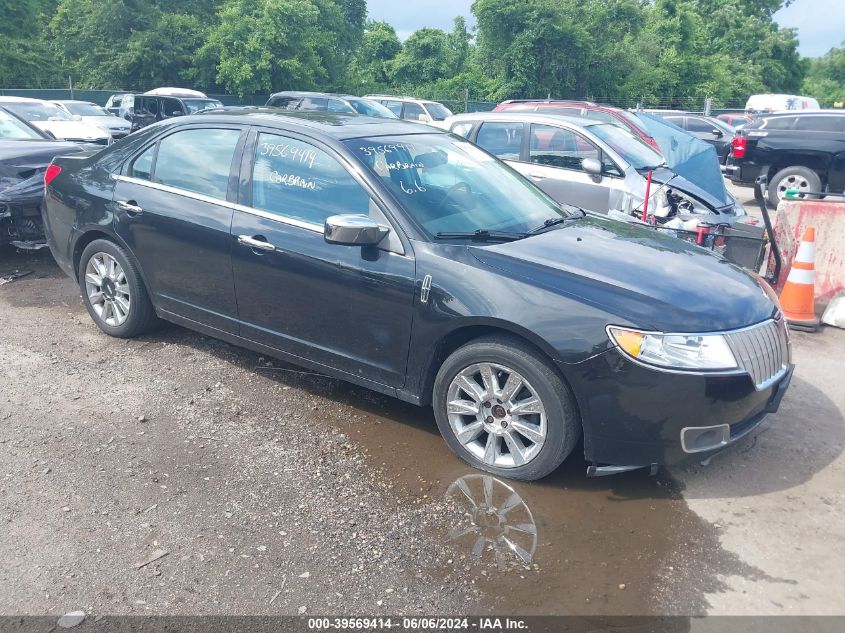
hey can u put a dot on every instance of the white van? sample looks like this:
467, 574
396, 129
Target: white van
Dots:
779, 103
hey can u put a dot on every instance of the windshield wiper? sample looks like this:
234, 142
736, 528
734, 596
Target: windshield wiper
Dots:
555, 221
481, 234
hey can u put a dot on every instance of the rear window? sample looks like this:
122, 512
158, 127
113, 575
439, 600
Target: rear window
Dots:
779, 123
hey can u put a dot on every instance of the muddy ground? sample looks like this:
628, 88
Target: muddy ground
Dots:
265, 489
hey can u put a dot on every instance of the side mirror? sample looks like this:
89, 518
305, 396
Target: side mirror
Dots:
718, 133
424, 118
593, 167
76, 117
353, 230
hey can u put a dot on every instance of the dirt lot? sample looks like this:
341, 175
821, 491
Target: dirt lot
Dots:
273, 490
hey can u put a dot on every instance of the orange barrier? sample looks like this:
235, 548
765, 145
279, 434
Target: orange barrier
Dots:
791, 220
797, 298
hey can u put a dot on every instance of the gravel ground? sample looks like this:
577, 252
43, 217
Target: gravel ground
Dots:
268, 490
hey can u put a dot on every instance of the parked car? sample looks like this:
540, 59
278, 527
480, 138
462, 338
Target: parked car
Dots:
582, 109
779, 102
328, 102
95, 115
25, 153
718, 133
593, 165
413, 109
409, 261
735, 119
55, 121
113, 104
803, 151
145, 109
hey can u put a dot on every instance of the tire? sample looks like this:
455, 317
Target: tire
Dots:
802, 178
130, 312
557, 423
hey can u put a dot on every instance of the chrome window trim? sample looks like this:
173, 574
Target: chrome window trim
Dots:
309, 226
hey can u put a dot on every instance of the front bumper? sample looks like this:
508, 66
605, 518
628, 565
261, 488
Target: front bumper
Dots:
636, 416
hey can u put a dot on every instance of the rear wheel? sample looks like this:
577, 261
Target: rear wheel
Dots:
502, 408
113, 291
798, 178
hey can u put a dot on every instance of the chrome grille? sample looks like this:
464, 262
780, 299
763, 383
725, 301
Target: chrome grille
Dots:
762, 350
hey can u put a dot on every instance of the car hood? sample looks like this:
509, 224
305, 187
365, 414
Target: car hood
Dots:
22, 165
666, 176
651, 280
71, 129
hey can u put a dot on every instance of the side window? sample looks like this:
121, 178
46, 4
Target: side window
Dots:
557, 147
820, 123
299, 181
336, 105
700, 125
412, 112
197, 160
394, 106
287, 103
313, 104
675, 120
462, 128
142, 166
501, 139
609, 167
171, 107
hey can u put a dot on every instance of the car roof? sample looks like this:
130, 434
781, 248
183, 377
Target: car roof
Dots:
73, 101
339, 126
5, 99
398, 98
828, 112
526, 116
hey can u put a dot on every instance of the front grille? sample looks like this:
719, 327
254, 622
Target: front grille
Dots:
762, 351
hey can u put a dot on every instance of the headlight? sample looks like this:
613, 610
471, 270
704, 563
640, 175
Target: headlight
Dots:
674, 351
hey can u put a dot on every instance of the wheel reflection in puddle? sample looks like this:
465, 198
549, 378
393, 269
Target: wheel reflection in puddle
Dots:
495, 522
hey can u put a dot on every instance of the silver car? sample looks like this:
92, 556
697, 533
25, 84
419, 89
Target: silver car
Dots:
587, 163
89, 112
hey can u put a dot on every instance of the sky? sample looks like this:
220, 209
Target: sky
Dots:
820, 23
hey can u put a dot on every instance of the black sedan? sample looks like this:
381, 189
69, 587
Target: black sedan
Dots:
408, 260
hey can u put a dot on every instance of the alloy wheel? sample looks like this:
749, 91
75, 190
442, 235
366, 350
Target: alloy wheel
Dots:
496, 415
793, 181
107, 289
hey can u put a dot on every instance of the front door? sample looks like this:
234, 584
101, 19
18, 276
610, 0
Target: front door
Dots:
171, 208
555, 157
347, 307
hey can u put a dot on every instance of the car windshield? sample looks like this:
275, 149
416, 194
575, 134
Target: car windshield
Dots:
85, 109
628, 146
371, 108
12, 128
195, 105
438, 111
35, 111
449, 185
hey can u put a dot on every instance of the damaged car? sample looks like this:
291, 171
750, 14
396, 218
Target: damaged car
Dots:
25, 153
596, 166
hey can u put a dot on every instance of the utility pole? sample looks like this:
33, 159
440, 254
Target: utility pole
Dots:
70, 85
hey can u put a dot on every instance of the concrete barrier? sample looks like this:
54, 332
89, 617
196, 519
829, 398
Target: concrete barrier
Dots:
828, 218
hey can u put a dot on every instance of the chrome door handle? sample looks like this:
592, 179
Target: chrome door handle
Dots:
130, 208
246, 240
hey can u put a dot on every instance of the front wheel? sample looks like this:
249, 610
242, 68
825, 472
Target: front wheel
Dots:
800, 179
113, 291
502, 408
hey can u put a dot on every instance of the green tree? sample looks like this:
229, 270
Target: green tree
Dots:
826, 78
425, 57
372, 66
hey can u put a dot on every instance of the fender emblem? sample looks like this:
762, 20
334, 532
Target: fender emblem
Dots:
425, 289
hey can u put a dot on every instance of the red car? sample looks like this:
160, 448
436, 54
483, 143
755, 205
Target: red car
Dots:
586, 109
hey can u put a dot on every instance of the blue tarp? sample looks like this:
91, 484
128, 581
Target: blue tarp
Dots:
687, 155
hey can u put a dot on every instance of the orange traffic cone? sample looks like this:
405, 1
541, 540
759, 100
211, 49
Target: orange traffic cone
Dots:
798, 296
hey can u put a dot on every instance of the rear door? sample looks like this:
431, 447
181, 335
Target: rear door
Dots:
347, 307
173, 205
